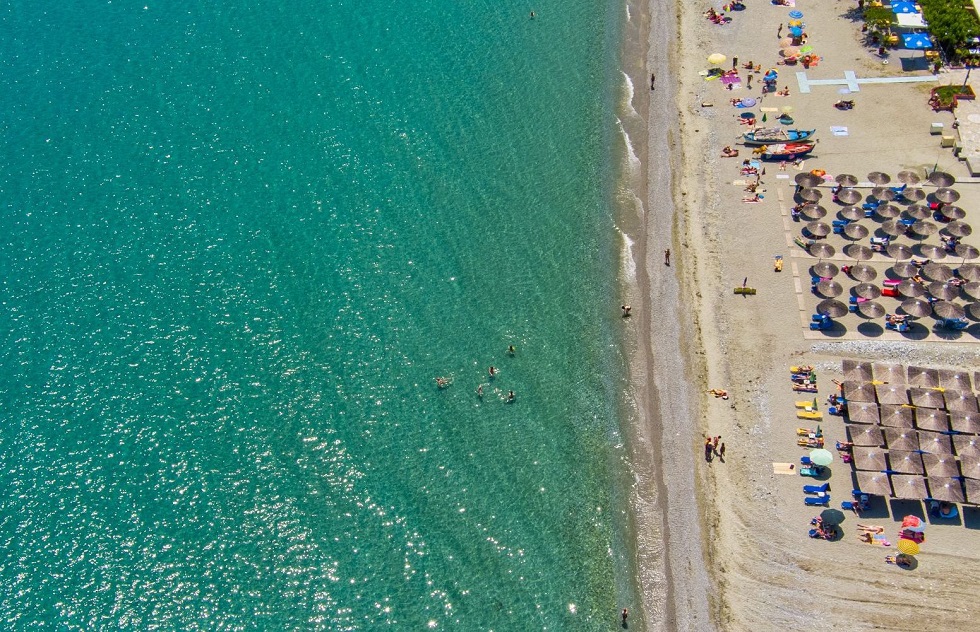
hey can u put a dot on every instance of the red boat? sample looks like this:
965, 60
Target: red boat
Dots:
786, 151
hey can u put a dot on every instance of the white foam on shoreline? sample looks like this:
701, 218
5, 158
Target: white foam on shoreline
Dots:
630, 92
632, 160
629, 262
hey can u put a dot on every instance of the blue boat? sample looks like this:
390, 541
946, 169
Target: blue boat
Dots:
766, 136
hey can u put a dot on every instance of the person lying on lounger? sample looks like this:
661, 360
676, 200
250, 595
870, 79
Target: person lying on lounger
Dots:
718, 392
871, 528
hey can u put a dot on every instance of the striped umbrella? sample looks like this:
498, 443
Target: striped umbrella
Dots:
908, 547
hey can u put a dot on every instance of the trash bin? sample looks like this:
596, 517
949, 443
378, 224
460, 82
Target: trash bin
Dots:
936, 129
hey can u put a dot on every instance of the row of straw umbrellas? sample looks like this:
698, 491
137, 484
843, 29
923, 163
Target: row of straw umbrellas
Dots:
927, 449
912, 290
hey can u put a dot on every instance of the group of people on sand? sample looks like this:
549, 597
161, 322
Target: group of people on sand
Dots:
713, 447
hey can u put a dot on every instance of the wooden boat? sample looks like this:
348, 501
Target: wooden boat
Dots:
765, 136
785, 151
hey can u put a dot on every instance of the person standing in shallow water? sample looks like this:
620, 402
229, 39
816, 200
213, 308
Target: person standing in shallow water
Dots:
626, 614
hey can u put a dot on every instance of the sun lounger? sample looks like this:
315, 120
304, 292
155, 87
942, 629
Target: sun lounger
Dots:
816, 489
817, 500
811, 470
809, 404
803, 414
745, 291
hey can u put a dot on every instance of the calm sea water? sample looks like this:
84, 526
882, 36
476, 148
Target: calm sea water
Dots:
239, 242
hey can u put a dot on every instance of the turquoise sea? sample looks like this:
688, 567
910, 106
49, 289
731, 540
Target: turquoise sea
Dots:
239, 242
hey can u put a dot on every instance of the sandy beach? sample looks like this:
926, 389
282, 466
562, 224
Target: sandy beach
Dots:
723, 545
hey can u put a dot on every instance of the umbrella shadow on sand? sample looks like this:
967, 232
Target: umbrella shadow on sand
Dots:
971, 517
837, 331
917, 331
871, 330
947, 334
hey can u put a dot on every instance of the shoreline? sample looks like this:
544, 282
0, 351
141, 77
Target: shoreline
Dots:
672, 576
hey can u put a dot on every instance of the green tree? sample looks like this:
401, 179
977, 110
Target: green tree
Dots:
950, 23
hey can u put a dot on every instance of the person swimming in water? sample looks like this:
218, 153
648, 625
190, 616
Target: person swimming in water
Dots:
511, 350
493, 371
510, 396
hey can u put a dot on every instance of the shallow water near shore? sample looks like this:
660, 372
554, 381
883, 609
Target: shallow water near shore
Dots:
239, 244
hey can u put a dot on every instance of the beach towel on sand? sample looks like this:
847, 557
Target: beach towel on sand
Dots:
783, 468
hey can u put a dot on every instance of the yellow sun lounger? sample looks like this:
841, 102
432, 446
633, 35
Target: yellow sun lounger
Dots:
802, 414
808, 404
748, 291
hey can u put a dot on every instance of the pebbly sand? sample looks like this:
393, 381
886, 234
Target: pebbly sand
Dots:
723, 545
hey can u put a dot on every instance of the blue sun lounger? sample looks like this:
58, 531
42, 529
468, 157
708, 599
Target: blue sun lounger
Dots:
817, 500
816, 489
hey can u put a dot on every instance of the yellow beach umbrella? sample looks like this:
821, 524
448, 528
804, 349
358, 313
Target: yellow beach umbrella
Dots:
908, 547
796, 23
716, 58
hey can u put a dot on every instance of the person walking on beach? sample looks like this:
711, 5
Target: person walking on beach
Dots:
667, 257
735, 62
750, 82
779, 31
707, 449
626, 614
653, 81
721, 453
714, 442
626, 310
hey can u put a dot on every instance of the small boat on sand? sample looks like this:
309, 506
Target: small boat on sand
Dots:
785, 151
767, 135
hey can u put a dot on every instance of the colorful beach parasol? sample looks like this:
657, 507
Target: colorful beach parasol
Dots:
821, 457
908, 547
